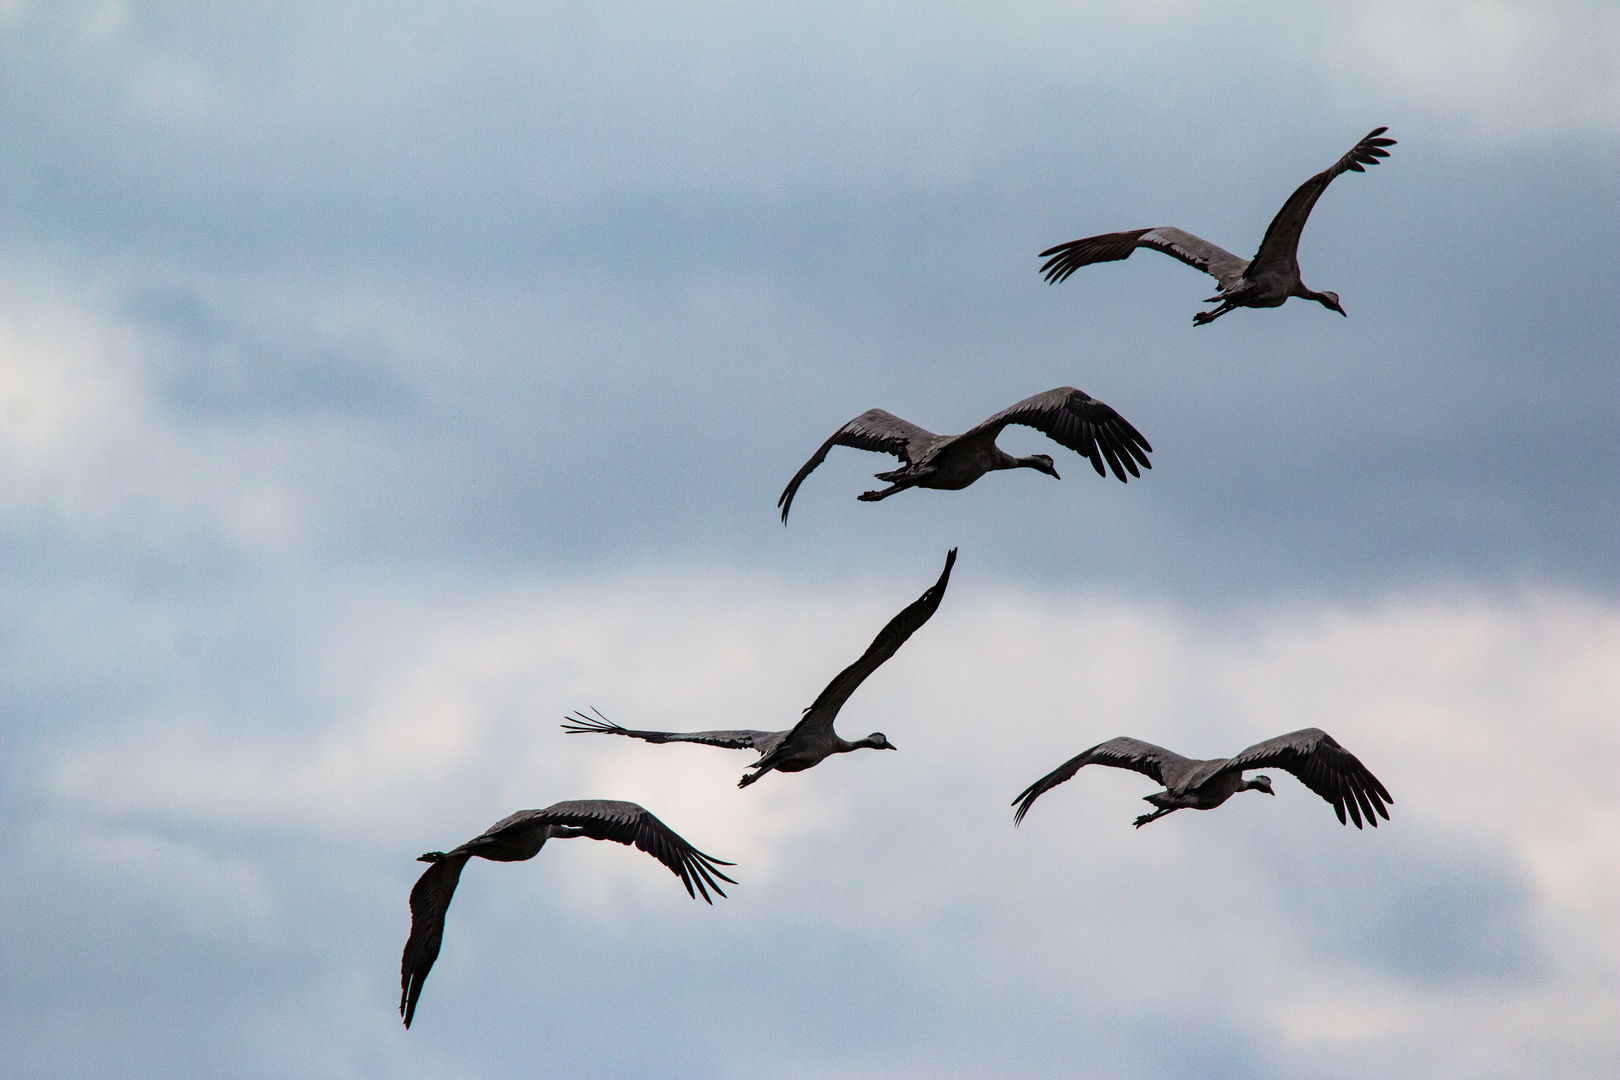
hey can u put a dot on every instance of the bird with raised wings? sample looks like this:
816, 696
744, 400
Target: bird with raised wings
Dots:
812, 740
1068, 416
1267, 280
1310, 754
521, 836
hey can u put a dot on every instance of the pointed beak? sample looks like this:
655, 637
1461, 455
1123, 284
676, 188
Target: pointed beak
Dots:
1055, 475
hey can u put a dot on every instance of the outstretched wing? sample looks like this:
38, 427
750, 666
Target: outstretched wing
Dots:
825, 708
1280, 248
1121, 753
1195, 251
430, 899
875, 430
1079, 421
1323, 766
579, 724
599, 819
628, 823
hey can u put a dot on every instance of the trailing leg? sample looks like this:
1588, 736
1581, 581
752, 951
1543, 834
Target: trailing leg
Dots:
874, 496
1156, 815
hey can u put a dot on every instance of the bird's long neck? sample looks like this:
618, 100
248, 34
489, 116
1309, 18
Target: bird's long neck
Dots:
1000, 459
1004, 460
1322, 298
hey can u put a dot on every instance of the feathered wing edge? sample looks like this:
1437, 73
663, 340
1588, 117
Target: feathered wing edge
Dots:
1122, 753
1195, 251
1065, 259
580, 724
876, 430
1325, 767
430, 899
634, 825
1075, 419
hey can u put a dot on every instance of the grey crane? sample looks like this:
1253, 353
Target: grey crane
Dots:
1310, 754
952, 462
1267, 280
521, 836
812, 740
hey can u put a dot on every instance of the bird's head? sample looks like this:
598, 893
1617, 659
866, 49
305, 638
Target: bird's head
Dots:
1043, 462
1262, 783
877, 741
1330, 300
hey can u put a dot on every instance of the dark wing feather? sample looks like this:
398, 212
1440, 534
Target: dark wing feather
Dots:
825, 708
874, 430
599, 819
1195, 251
579, 724
1323, 766
430, 899
1121, 753
628, 823
1280, 248
1079, 421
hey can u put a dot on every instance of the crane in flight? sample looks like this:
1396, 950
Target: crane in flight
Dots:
1267, 280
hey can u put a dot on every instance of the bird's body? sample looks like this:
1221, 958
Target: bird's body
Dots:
1311, 754
520, 836
952, 462
812, 740
1267, 280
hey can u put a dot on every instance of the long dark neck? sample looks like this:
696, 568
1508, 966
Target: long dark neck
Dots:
1000, 459
1321, 298
1005, 460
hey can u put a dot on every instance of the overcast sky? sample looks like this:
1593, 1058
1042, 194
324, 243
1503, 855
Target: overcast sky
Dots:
380, 383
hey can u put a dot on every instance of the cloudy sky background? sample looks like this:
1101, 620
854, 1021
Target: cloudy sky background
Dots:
378, 385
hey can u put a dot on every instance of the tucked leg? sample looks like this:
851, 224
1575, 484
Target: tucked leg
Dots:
1156, 815
1203, 317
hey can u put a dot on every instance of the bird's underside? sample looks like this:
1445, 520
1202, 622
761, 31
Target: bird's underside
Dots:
1267, 280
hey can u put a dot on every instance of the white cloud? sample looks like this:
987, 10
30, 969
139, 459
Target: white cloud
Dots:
84, 447
1488, 717
1492, 73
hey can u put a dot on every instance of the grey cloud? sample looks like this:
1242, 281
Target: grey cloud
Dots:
206, 368
1426, 909
536, 310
